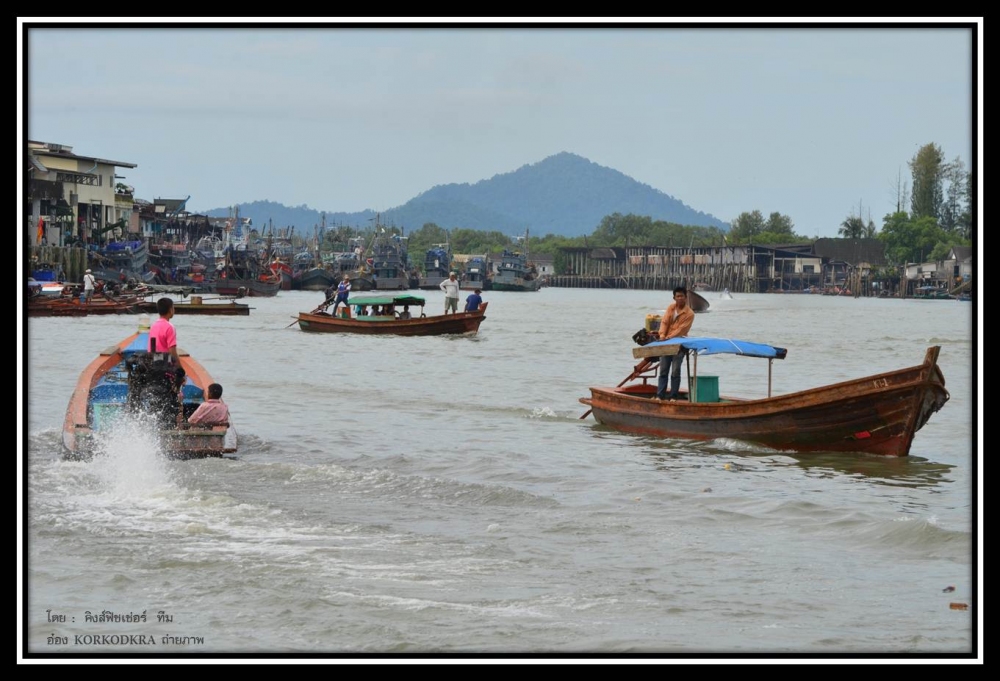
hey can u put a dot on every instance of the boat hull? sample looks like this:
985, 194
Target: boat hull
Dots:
431, 282
222, 309
316, 279
516, 285
437, 325
697, 301
249, 287
101, 396
877, 414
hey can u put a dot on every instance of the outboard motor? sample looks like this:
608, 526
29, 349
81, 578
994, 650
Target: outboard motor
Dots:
153, 385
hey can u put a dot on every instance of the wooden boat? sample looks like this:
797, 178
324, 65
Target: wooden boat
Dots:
419, 325
697, 301
122, 380
244, 274
876, 414
931, 293
70, 306
197, 305
41, 307
201, 306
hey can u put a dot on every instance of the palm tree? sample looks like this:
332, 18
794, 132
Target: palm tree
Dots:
852, 228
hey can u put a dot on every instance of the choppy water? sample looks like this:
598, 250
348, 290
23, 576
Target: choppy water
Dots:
403, 496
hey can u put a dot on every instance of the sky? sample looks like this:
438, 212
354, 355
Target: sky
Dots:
815, 122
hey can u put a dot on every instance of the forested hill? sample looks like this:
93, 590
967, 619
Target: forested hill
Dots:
564, 194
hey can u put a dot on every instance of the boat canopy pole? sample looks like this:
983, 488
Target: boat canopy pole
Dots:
693, 385
770, 365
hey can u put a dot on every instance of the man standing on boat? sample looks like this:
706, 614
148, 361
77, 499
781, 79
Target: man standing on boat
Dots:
89, 284
162, 332
676, 323
343, 292
450, 288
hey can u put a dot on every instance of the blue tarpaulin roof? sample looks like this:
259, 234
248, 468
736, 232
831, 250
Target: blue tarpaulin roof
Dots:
714, 346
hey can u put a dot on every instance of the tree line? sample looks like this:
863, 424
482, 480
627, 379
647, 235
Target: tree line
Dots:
939, 217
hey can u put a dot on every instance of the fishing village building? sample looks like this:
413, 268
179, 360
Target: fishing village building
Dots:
74, 198
750, 269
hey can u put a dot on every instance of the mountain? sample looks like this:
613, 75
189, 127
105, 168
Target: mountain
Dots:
564, 194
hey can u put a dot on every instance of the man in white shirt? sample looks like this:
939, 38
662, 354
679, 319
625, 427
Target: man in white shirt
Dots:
450, 288
89, 284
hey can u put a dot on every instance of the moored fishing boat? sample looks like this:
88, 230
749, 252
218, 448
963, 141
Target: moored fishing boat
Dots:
437, 266
515, 272
126, 381
389, 262
876, 414
476, 274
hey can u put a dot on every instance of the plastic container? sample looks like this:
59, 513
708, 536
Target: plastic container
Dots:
706, 388
653, 322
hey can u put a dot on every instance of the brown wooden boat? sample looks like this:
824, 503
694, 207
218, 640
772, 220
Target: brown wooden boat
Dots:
117, 383
389, 324
228, 308
41, 307
68, 306
201, 306
697, 301
877, 414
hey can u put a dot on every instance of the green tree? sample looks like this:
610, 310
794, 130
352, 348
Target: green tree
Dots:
910, 240
928, 169
956, 216
778, 225
623, 230
852, 228
746, 226
423, 239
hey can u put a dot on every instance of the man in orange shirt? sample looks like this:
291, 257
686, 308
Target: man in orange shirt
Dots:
675, 323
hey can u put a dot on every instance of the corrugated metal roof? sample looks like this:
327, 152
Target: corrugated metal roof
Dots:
37, 163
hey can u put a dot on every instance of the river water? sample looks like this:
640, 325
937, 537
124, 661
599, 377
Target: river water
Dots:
402, 497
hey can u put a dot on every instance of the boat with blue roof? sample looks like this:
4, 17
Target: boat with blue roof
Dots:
877, 414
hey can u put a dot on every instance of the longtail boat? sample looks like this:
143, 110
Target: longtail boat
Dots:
877, 414
389, 323
127, 380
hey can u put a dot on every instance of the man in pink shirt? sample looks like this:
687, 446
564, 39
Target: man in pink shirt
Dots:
212, 411
163, 332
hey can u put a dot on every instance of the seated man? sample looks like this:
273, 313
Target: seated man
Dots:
212, 411
405, 314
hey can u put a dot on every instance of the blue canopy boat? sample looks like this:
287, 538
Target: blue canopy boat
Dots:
877, 414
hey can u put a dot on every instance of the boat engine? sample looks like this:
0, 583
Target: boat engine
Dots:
153, 386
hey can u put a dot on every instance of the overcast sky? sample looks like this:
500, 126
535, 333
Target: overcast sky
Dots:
817, 123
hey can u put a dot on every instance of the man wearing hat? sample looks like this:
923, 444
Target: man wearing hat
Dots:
450, 288
89, 284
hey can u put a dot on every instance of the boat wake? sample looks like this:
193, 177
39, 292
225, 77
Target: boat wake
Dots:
129, 458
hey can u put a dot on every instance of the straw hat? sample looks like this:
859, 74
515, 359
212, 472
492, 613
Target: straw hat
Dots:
87, 272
